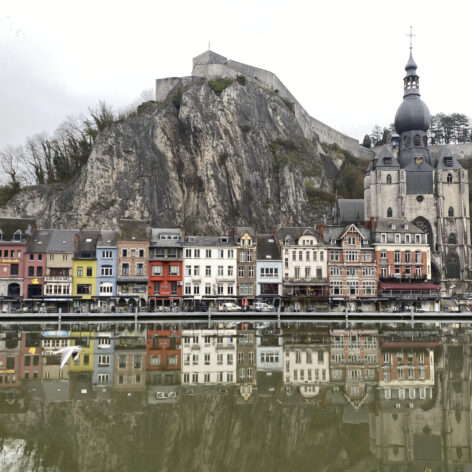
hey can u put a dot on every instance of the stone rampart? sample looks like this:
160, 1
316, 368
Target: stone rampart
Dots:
164, 87
219, 67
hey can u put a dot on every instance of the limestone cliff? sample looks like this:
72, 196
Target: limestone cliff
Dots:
200, 159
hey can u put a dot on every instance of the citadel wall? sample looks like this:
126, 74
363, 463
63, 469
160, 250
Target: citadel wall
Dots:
210, 66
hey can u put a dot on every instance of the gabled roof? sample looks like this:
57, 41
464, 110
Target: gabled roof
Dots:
267, 248
385, 160
209, 241
337, 233
295, 233
240, 230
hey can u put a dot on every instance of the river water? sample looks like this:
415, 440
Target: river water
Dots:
235, 397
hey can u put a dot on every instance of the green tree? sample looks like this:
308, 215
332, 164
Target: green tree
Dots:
367, 143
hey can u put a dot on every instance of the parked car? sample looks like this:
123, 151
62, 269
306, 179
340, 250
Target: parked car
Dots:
260, 306
230, 306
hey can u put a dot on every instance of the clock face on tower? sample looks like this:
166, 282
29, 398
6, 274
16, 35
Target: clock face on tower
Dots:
418, 160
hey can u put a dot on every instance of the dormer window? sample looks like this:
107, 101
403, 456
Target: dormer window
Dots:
17, 235
448, 161
449, 178
383, 238
223, 240
388, 161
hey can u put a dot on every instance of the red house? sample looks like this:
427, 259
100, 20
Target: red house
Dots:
165, 268
164, 358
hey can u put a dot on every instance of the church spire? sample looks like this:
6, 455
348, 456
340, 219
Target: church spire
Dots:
411, 80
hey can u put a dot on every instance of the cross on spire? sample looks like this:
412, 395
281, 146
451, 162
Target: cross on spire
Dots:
411, 37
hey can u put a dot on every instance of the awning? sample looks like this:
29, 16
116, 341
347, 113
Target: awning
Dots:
408, 286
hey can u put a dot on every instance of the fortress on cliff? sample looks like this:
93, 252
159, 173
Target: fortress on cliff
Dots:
210, 66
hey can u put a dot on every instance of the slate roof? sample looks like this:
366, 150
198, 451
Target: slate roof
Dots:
40, 240
296, 232
87, 241
156, 235
210, 241
446, 152
350, 210
385, 160
240, 230
61, 241
266, 246
336, 232
9, 226
384, 225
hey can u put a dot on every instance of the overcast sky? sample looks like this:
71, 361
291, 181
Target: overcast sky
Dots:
343, 60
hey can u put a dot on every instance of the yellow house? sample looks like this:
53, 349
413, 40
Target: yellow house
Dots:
84, 278
84, 339
84, 268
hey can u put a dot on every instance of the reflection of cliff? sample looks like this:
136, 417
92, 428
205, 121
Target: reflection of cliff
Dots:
200, 433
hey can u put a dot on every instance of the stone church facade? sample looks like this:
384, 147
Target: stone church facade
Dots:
404, 181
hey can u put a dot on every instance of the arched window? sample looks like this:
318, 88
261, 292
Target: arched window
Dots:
17, 235
449, 178
417, 140
389, 179
451, 211
452, 239
452, 265
406, 141
389, 212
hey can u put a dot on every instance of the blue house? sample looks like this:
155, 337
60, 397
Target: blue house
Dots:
107, 264
104, 356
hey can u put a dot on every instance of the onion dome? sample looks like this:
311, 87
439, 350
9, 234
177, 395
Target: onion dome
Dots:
413, 114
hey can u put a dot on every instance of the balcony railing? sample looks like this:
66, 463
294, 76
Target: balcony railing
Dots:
58, 278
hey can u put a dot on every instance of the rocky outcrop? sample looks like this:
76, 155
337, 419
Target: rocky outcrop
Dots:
200, 160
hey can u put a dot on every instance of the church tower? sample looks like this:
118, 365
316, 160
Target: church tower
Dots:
432, 193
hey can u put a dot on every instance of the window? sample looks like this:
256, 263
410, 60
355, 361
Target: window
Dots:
389, 179
106, 270
352, 256
230, 289
83, 289
124, 252
31, 271
140, 268
196, 289
449, 178
334, 256
107, 254
103, 360
188, 289
80, 271
196, 253
251, 272
188, 253
188, 270
351, 241
307, 272
174, 270
240, 271
269, 272
220, 289
141, 253
207, 289
297, 273
397, 257
221, 253
451, 211
389, 212
207, 359
230, 271
106, 289
208, 253
89, 272
196, 270
31, 257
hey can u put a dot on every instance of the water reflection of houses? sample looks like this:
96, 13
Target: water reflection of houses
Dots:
306, 359
246, 357
164, 356
103, 358
269, 361
130, 363
10, 358
51, 342
354, 361
209, 356
456, 403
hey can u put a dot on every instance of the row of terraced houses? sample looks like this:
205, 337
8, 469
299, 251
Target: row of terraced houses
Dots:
382, 264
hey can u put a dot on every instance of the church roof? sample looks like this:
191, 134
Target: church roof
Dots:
350, 210
447, 160
385, 160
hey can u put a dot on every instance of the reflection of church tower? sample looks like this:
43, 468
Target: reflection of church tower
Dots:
433, 193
